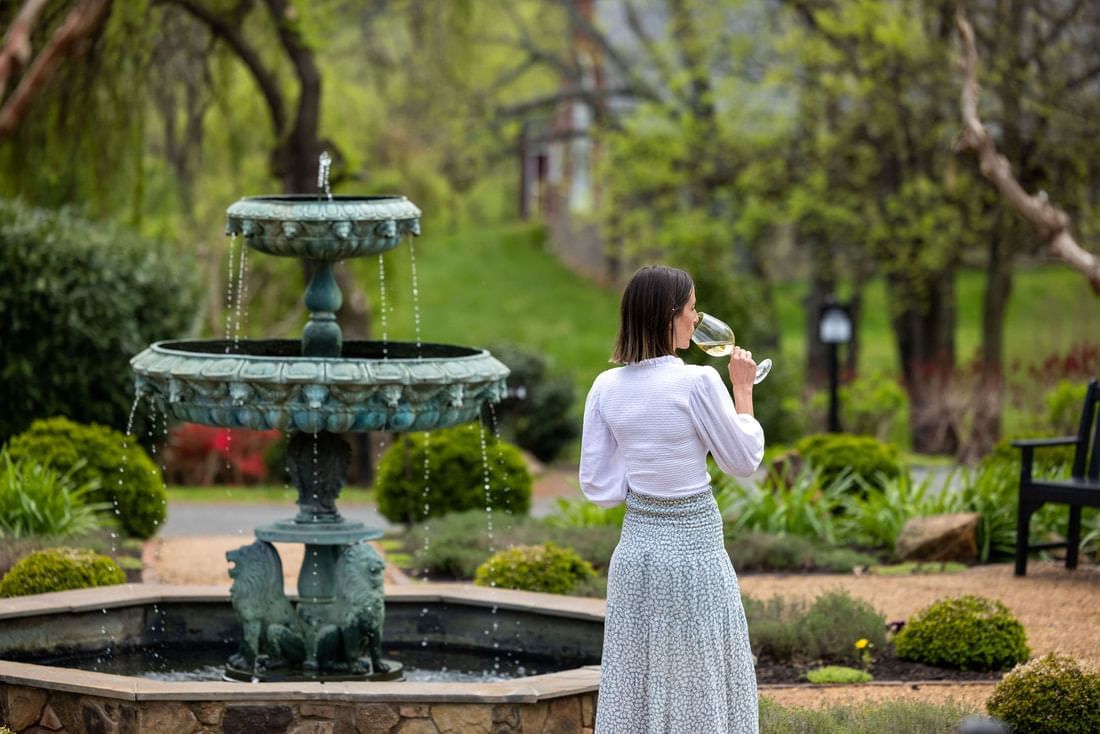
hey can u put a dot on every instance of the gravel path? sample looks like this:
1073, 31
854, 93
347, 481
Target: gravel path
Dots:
1060, 609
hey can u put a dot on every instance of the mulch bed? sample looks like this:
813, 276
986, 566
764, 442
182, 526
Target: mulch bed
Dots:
887, 667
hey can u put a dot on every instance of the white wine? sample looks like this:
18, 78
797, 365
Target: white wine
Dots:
717, 348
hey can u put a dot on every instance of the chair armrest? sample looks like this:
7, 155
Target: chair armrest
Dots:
1032, 442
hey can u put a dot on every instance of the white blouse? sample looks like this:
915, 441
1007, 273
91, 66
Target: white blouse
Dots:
648, 426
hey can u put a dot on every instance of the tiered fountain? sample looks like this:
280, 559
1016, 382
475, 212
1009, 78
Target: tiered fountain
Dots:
116, 658
317, 389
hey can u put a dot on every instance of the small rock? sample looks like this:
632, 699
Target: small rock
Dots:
939, 538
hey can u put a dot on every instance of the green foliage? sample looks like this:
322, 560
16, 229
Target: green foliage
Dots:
129, 482
875, 516
966, 632
766, 553
536, 415
77, 300
457, 481
1064, 402
453, 546
833, 454
873, 405
900, 716
580, 512
59, 569
785, 630
547, 567
1050, 695
836, 620
837, 674
805, 507
37, 500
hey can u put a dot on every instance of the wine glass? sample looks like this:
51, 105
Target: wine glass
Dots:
715, 337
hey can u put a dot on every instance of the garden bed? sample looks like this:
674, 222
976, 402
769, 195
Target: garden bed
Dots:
887, 667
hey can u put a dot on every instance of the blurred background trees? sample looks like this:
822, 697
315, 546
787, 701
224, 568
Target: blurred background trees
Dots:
784, 151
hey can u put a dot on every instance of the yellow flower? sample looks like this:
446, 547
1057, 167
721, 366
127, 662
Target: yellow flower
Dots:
860, 644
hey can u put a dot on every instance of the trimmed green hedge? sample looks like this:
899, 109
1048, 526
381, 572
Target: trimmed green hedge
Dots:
456, 475
966, 632
60, 569
127, 478
1051, 695
78, 299
834, 453
548, 568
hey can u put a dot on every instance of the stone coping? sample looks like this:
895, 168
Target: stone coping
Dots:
123, 595
531, 689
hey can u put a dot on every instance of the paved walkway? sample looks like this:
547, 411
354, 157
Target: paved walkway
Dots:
195, 519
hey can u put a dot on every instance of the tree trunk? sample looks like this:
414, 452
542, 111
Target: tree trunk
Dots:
925, 333
989, 392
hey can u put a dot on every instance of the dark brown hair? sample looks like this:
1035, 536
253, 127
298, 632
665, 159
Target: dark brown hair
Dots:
653, 297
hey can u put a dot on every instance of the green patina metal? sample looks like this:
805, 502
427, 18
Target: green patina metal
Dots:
317, 389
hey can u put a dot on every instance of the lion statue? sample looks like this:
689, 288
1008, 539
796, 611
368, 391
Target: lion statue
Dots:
355, 628
272, 635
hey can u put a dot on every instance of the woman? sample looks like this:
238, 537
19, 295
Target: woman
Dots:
676, 654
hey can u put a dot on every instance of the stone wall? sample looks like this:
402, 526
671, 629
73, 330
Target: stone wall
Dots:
29, 710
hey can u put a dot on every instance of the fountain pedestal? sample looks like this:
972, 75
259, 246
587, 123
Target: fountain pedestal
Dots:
336, 633
317, 388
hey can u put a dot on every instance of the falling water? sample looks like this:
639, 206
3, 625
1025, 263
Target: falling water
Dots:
322, 175
490, 633
159, 457
416, 296
426, 497
229, 292
125, 462
242, 291
382, 304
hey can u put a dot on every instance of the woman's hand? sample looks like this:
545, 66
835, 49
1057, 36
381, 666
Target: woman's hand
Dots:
742, 373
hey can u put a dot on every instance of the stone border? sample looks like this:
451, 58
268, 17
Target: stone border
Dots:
529, 690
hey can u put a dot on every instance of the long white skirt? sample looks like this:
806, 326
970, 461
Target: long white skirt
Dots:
676, 656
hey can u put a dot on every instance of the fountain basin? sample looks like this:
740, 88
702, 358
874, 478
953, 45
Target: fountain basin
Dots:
266, 384
323, 229
567, 630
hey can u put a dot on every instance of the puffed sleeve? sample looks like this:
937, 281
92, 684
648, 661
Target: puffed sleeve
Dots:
602, 470
735, 440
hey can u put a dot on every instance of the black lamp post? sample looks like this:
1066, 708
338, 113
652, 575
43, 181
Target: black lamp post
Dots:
834, 325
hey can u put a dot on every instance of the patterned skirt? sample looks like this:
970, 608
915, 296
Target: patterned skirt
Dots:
676, 655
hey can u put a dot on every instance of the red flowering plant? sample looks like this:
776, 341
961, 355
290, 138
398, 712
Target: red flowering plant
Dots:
201, 455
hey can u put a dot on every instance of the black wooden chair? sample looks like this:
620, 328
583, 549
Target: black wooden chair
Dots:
1082, 489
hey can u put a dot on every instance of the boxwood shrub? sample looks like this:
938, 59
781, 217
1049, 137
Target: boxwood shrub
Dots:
456, 475
547, 567
1051, 695
60, 569
967, 632
834, 453
128, 479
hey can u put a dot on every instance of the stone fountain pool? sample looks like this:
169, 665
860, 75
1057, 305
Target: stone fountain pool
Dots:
331, 657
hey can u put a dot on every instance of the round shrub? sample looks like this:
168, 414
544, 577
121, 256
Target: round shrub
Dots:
60, 569
456, 475
965, 632
78, 299
1051, 695
834, 453
128, 479
548, 568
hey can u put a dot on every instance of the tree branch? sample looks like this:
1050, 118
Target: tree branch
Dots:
269, 86
1051, 223
16, 51
82, 22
